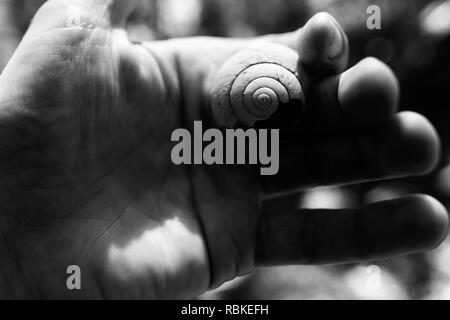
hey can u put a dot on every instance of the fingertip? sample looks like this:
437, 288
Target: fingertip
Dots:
430, 219
420, 142
323, 45
368, 92
406, 225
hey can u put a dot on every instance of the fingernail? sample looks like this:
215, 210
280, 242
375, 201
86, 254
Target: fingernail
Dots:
336, 40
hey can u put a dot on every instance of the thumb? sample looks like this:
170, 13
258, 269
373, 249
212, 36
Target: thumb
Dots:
87, 14
321, 44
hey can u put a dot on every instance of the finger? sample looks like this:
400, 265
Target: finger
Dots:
405, 145
366, 93
87, 14
376, 231
321, 44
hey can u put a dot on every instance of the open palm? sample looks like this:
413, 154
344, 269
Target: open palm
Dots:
86, 178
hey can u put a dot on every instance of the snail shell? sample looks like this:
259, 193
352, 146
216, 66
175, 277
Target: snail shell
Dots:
251, 85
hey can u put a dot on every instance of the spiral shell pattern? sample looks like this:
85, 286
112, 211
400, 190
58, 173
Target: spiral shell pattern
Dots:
252, 84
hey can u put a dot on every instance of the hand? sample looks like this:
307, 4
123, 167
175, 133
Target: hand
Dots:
86, 177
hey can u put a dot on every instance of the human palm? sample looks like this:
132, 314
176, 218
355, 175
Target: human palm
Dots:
86, 119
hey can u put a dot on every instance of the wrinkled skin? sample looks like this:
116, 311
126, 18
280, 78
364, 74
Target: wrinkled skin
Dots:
86, 178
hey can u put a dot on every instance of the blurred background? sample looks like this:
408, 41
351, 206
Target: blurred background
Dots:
414, 40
